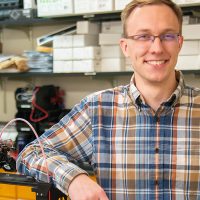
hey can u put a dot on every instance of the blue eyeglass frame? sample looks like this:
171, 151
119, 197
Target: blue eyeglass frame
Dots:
153, 37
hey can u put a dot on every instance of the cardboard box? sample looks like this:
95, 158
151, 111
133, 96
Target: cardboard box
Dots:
49, 8
92, 6
104, 5
87, 27
109, 39
112, 27
187, 2
85, 65
188, 62
191, 32
29, 4
62, 41
62, 54
85, 40
82, 6
190, 47
120, 4
112, 51
112, 64
86, 53
62, 66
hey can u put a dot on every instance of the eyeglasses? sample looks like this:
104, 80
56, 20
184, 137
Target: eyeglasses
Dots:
167, 37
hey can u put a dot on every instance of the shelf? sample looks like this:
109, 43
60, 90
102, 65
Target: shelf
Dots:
32, 21
97, 16
49, 74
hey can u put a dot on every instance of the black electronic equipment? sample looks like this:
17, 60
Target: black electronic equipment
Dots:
11, 4
43, 190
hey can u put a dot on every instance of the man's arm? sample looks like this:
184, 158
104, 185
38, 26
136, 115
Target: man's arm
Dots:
69, 140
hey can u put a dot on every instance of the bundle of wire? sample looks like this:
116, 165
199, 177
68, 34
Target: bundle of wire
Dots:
36, 135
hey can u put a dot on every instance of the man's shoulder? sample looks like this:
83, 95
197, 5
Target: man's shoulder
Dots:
191, 90
109, 94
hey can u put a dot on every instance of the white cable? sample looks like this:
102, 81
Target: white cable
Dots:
36, 135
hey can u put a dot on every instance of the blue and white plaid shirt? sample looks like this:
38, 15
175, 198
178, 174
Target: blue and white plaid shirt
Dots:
136, 154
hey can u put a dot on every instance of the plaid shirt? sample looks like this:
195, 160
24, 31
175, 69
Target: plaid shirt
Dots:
135, 153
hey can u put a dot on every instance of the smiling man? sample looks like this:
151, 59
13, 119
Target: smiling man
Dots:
142, 139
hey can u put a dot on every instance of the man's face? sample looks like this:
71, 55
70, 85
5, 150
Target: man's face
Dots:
153, 61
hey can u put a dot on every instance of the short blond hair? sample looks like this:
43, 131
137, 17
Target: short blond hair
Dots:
139, 3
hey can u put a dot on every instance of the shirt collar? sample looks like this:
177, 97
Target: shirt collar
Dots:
137, 98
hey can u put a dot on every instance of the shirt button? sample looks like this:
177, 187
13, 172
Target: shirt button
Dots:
156, 150
156, 182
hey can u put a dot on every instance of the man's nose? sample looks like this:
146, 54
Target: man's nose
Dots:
156, 45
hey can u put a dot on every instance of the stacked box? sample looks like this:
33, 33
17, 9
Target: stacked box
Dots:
112, 58
93, 6
49, 8
79, 52
120, 4
189, 57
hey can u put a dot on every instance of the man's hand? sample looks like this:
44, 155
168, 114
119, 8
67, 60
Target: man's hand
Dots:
84, 188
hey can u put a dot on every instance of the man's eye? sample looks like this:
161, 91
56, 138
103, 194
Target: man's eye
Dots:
143, 37
169, 37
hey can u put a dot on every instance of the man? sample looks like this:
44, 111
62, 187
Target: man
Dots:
142, 139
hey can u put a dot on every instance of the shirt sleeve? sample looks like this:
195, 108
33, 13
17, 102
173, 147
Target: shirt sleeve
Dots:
68, 141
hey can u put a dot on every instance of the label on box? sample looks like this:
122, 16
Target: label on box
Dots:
54, 7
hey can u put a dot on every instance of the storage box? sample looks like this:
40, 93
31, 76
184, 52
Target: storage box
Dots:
62, 41
188, 62
87, 27
49, 8
104, 5
86, 53
62, 54
92, 6
85, 40
190, 48
120, 4
83, 6
112, 27
29, 4
109, 39
62, 66
112, 51
112, 64
191, 32
85, 65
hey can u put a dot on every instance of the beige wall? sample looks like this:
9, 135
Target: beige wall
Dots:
16, 40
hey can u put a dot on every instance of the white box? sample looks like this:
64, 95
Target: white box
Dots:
112, 51
62, 66
187, 2
62, 54
81, 6
85, 40
120, 4
188, 62
191, 32
92, 6
29, 4
87, 27
51, 8
191, 47
112, 64
62, 41
85, 65
109, 39
86, 53
104, 5
112, 27
128, 64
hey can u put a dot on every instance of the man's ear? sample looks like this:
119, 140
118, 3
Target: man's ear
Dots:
181, 39
124, 46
